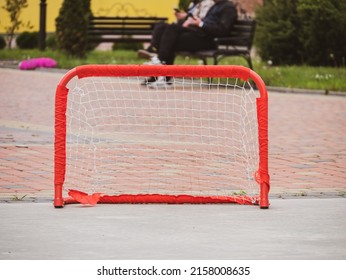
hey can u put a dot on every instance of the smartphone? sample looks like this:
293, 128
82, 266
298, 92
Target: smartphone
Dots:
190, 15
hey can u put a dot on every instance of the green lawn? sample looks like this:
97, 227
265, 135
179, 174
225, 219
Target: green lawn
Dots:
304, 77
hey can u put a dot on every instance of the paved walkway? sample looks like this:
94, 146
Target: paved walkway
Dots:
293, 229
307, 157
307, 150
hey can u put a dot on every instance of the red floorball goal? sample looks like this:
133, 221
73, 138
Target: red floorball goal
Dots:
200, 138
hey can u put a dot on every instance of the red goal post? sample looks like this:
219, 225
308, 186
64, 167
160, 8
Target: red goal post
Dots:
261, 175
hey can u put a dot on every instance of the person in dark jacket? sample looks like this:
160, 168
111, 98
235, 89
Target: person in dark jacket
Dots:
197, 8
199, 35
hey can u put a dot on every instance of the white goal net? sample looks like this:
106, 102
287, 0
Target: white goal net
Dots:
188, 137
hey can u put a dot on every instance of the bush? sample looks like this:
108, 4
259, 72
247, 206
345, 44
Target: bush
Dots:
72, 26
2, 42
277, 32
302, 32
27, 40
323, 31
51, 41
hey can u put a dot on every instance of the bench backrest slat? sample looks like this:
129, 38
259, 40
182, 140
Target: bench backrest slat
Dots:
128, 18
242, 33
122, 26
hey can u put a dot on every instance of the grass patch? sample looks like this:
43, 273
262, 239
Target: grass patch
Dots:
304, 77
18, 198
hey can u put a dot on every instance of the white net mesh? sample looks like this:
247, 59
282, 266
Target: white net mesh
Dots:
185, 138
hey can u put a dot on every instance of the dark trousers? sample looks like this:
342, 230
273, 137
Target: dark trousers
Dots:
158, 30
176, 38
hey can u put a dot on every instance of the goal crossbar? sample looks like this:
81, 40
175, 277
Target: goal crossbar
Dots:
261, 175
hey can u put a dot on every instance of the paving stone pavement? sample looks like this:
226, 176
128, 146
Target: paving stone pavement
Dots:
307, 160
307, 139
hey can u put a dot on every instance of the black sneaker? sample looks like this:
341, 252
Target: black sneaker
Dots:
148, 81
158, 81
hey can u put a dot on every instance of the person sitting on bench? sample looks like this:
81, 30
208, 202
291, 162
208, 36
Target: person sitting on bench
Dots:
197, 9
194, 35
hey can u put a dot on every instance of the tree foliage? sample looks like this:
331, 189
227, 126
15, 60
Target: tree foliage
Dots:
323, 33
72, 27
302, 32
14, 9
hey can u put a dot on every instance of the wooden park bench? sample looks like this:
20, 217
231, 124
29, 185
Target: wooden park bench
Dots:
122, 29
139, 29
238, 43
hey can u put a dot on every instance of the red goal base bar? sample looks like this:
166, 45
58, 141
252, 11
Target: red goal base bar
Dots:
96, 198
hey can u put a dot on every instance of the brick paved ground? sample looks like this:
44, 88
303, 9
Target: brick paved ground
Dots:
307, 144
307, 153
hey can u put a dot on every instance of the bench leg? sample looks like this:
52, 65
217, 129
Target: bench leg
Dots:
245, 56
205, 61
216, 60
249, 61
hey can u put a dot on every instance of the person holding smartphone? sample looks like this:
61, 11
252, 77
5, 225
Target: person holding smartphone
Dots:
196, 34
197, 8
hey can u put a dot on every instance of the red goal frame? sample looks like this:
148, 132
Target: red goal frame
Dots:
190, 71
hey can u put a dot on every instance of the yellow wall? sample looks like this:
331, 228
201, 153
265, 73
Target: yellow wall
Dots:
99, 7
